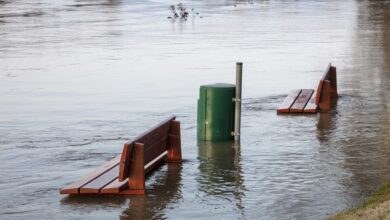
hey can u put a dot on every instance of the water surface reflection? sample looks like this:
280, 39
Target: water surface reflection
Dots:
78, 78
164, 192
362, 130
221, 173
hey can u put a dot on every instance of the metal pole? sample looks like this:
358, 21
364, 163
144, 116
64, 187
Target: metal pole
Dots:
237, 106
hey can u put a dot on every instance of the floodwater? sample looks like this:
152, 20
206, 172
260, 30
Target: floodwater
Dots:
80, 77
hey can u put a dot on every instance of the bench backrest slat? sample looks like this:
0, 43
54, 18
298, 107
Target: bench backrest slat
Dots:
154, 143
156, 149
324, 77
155, 134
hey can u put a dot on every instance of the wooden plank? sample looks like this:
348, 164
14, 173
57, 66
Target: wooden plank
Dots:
174, 148
125, 192
333, 82
153, 151
148, 139
74, 187
324, 77
124, 164
175, 127
289, 101
137, 172
157, 161
156, 133
325, 101
150, 148
100, 182
301, 101
114, 187
311, 106
174, 143
318, 93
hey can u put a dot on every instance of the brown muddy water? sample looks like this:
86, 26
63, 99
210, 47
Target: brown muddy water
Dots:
80, 77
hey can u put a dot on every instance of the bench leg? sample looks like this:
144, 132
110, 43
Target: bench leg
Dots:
137, 172
325, 97
174, 143
333, 82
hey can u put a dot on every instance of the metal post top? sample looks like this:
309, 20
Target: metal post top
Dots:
237, 102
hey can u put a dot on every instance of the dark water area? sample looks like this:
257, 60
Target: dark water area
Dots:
78, 78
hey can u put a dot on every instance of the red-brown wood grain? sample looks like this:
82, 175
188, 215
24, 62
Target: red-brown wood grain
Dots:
125, 174
333, 82
95, 185
301, 101
325, 102
174, 143
114, 187
137, 172
320, 99
311, 106
289, 101
74, 187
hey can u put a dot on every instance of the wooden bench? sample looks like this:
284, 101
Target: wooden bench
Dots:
310, 100
125, 174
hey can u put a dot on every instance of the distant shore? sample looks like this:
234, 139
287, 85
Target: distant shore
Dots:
375, 207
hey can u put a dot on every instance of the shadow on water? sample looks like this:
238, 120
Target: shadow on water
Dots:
343, 156
81, 202
361, 133
221, 172
327, 122
28, 14
163, 192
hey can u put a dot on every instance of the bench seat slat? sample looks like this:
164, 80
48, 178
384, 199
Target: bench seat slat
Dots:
115, 187
95, 185
74, 187
289, 101
311, 106
301, 101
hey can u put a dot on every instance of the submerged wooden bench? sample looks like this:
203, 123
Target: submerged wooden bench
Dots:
310, 100
125, 174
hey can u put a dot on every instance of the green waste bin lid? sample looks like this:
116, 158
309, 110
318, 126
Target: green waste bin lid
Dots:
218, 85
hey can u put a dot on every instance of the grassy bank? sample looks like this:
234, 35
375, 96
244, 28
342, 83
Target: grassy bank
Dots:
375, 207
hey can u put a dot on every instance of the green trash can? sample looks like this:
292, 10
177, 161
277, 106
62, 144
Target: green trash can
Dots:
216, 112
